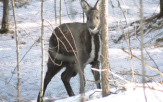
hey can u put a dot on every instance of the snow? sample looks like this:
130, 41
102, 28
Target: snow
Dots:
29, 27
133, 93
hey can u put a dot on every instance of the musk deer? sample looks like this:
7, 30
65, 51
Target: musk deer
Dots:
62, 47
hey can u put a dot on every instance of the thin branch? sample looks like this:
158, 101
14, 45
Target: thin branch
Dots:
100, 70
94, 93
149, 56
35, 42
154, 69
67, 11
130, 57
20, 61
1, 98
17, 47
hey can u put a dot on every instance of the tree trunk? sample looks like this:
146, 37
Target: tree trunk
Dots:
141, 47
55, 9
5, 19
105, 44
42, 48
60, 12
161, 7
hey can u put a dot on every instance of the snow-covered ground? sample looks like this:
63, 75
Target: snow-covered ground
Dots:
133, 93
29, 27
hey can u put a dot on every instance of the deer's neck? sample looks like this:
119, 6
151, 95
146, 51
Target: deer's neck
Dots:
95, 48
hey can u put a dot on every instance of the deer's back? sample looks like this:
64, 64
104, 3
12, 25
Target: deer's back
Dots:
64, 38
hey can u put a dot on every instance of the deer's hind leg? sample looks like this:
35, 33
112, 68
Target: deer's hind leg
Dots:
66, 76
52, 70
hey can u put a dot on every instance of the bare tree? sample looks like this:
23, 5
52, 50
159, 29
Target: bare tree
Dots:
55, 10
104, 59
17, 47
142, 38
42, 48
60, 11
5, 19
161, 7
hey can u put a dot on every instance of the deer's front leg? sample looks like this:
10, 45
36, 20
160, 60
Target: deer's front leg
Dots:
96, 73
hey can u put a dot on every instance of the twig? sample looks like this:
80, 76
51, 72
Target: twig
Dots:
128, 73
21, 60
149, 56
111, 73
94, 93
130, 57
119, 77
150, 87
154, 69
67, 11
1, 98
119, 83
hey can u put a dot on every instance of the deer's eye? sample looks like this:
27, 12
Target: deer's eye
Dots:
88, 18
97, 17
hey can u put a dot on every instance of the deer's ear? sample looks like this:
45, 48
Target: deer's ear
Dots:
98, 5
85, 6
